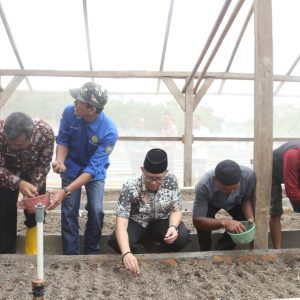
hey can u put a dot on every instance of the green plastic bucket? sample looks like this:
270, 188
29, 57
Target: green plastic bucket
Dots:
244, 237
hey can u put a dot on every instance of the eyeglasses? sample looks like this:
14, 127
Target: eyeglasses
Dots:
154, 179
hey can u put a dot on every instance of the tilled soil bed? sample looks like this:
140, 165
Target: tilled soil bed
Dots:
81, 278
104, 277
289, 220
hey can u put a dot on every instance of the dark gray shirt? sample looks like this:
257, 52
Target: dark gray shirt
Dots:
207, 193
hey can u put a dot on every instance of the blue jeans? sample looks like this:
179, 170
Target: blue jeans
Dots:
69, 218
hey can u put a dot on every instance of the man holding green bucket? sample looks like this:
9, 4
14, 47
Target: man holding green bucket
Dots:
229, 187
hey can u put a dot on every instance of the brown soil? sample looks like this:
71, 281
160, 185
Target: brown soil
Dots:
84, 278
165, 279
289, 221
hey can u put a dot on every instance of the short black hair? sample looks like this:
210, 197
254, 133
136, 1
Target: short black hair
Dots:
228, 172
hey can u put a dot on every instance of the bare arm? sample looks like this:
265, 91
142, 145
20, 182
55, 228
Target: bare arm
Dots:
247, 209
59, 164
210, 224
129, 260
122, 235
172, 234
60, 195
175, 218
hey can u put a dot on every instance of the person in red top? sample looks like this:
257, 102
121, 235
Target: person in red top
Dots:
286, 170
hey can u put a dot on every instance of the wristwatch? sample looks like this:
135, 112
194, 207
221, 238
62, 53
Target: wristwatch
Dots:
67, 191
174, 227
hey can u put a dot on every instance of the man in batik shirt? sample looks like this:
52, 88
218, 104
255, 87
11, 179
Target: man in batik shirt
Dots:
26, 149
149, 205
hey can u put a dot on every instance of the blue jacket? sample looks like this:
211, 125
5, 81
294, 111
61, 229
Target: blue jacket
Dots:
89, 144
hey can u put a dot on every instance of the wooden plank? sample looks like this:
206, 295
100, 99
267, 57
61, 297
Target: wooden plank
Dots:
219, 42
138, 74
175, 91
163, 55
207, 139
9, 90
263, 117
208, 42
237, 44
188, 136
12, 42
289, 72
204, 88
87, 34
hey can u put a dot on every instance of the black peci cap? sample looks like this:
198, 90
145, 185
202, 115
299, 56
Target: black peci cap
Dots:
156, 161
228, 172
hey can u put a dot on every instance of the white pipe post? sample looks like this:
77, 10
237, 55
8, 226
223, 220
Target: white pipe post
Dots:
39, 215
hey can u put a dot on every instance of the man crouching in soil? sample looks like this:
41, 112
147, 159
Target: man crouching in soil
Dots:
230, 187
149, 205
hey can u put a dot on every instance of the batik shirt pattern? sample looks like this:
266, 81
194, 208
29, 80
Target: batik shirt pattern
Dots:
34, 160
143, 206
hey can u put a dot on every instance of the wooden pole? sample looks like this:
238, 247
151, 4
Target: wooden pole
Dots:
263, 117
188, 135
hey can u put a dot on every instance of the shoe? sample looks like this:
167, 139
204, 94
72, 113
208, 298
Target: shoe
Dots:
31, 241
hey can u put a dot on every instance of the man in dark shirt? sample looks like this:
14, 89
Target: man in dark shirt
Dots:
286, 170
26, 149
229, 187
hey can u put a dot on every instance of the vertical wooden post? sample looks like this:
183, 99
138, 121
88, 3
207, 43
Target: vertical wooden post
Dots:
263, 117
188, 135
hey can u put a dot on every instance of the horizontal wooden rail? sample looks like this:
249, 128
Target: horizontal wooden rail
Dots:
139, 74
206, 139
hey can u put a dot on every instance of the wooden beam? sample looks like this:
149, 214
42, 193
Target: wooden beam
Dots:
175, 91
204, 88
288, 73
9, 90
202, 138
139, 74
12, 42
208, 43
263, 117
87, 35
188, 136
163, 55
219, 42
237, 44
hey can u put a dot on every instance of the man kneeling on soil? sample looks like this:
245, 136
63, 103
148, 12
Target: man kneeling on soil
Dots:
229, 187
149, 205
286, 170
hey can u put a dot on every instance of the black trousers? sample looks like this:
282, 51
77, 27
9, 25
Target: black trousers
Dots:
225, 242
8, 218
156, 230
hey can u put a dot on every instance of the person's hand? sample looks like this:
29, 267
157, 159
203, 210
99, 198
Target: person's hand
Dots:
171, 235
234, 226
28, 189
56, 198
251, 220
20, 204
131, 264
58, 167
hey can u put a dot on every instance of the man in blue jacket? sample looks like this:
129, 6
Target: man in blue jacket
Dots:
85, 140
